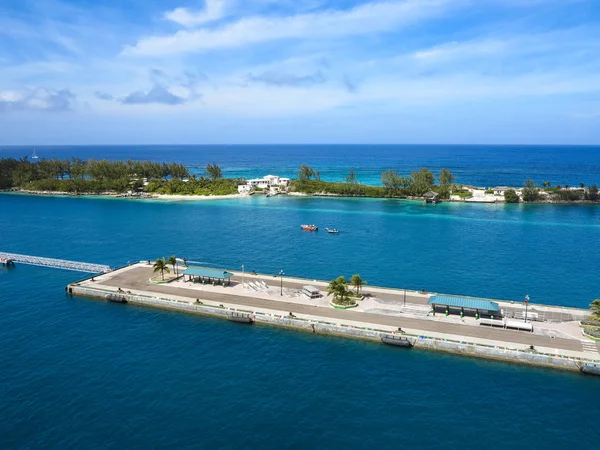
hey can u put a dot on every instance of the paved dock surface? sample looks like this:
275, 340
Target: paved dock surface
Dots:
137, 278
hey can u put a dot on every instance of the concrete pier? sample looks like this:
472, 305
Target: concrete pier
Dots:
556, 342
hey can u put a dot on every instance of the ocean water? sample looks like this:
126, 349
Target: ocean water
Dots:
471, 164
78, 373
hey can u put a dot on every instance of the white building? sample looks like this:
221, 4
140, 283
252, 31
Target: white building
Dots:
271, 182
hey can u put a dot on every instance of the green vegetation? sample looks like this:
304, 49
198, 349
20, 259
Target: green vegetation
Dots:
173, 261
339, 289
462, 193
511, 196
530, 191
569, 195
77, 176
351, 179
306, 173
595, 309
358, 283
594, 332
592, 193
214, 171
445, 179
161, 266
194, 186
336, 188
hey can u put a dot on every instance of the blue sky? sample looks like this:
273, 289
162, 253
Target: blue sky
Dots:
299, 71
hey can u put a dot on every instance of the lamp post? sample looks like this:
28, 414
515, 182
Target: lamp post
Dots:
242, 275
526, 304
281, 274
404, 295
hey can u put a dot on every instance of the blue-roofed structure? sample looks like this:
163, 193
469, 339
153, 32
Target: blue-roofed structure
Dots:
475, 304
207, 274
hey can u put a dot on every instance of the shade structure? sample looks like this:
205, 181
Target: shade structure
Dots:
206, 272
464, 302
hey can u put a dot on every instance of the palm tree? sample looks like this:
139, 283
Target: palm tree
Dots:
339, 289
357, 282
161, 266
173, 261
595, 305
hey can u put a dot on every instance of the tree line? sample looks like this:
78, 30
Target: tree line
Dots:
531, 193
19, 172
393, 184
76, 175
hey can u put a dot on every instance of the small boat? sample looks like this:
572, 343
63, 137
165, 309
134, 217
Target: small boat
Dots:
590, 369
398, 341
332, 230
309, 227
34, 156
116, 298
240, 317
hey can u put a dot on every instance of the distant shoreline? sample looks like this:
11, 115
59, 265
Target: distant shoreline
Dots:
117, 195
180, 197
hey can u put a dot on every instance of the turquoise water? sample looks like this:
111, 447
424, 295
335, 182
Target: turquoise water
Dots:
548, 252
78, 373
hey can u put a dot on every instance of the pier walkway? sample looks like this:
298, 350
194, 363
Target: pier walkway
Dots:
137, 279
55, 263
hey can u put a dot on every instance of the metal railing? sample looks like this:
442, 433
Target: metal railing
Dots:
75, 266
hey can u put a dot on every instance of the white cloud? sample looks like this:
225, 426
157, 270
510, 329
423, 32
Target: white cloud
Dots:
213, 10
367, 18
456, 49
38, 99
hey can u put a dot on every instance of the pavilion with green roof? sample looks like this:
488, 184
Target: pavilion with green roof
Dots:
478, 305
207, 275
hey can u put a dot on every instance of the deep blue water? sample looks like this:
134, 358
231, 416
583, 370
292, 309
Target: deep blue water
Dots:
78, 373
478, 165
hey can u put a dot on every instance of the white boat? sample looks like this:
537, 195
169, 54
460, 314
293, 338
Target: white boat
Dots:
332, 230
34, 156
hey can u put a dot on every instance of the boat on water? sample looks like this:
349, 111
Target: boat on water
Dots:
332, 230
240, 317
397, 341
34, 156
309, 227
590, 369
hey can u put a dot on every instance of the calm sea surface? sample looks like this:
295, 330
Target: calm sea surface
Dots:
471, 164
77, 373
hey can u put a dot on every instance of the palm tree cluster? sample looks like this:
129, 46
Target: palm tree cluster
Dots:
340, 291
162, 265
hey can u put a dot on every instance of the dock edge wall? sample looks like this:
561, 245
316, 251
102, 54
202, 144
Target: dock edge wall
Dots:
498, 353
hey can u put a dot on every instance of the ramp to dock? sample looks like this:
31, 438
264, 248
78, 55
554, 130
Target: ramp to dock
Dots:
75, 266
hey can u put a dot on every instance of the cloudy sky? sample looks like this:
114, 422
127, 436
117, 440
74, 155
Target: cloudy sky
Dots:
299, 71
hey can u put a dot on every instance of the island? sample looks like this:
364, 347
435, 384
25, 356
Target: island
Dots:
148, 179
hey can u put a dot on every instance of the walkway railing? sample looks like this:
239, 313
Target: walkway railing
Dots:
56, 263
